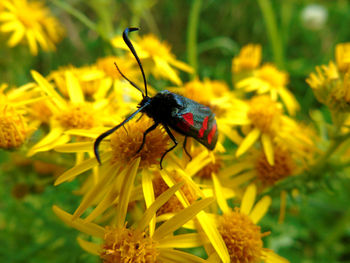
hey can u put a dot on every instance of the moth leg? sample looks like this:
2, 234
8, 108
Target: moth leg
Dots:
140, 117
144, 135
184, 145
172, 137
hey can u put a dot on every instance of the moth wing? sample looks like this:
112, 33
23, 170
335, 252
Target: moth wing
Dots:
195, 120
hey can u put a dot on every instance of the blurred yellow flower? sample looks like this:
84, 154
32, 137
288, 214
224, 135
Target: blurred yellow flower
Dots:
31, 22
157, 56
268, 79
248, 59
342, 57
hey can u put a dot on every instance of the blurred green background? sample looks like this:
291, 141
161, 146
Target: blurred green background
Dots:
317, 225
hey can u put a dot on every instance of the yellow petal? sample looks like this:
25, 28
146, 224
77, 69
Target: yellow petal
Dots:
165, 70
152, 209
148, 193
49, 90
260, 209
16, 37
177, 256
289, 100
90, 247
33, 47
248, 199
181, 65
104, 185
75, 147
220, 199
125, 193
84, 166
74, 90
271, 257
214, 236
180, 218
268, 148
181, 241
10, 26
79, 224
53, 135
248, 141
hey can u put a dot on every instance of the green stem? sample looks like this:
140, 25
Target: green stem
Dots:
76, 13
192, 35
274, 36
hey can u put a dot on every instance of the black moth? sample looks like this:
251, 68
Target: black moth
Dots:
171, 110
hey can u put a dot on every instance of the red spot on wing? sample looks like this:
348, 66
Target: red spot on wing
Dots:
211, 134
204, 127
188, 118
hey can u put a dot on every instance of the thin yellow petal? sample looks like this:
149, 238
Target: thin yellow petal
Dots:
49, 90
181, 65
268, 148
16, 37
53, 135
180, 218
84, 166
33, 47
289, 100
125, 193
101, 187
260, 209
75, 147
79, 224
240, 179
10, 26
248, 199
90, 247
74, 90
220, 199
248, 141
181, 241
152, 209
271, 257
177, 256
214, 236
148, 193
63, 139
166, 71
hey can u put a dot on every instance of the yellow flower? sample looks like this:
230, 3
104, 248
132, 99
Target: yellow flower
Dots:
342, 57
67, 115
239, 229
268, 79
248, 59
14, 128
32, 22
143, 241
157, 57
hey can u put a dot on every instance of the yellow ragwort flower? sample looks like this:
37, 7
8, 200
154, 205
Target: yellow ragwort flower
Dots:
239, 229
248, 59
143, 241
31, 22
158, 57
342, 57
268, 79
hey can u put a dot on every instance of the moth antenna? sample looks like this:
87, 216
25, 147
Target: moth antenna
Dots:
132, 83
132, 49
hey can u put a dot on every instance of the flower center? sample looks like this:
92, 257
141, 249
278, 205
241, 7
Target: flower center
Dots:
283, 167
173, 204
13, 129
264, 113
126, 142
210, 168
77, 117
272, 75
242, 237
126, 245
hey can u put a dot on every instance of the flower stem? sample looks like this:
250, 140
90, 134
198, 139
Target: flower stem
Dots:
271, 25
192, 35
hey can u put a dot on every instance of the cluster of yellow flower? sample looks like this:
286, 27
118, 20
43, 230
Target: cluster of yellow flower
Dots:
133, 208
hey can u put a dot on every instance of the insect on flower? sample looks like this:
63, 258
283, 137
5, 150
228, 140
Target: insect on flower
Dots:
170, 110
